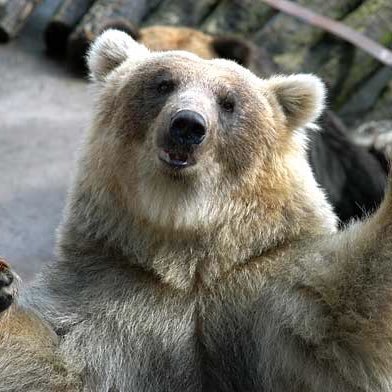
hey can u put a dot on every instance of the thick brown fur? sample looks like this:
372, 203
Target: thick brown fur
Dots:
227, 275
351, 176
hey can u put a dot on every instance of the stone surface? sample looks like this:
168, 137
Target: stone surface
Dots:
238, 16
383, 107
180, 12
374, 19
43, 111
366, 98
289, 39
348, 67
375, 136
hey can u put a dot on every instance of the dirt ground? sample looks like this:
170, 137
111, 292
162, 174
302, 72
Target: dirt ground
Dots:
43, 111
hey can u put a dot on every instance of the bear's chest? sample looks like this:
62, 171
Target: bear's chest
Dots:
228, 353
196, 343
148, 338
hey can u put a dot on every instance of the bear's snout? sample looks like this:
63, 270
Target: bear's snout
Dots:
187, 128
180, 141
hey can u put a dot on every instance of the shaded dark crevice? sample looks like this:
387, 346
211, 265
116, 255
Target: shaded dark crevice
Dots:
152, 9
200, 348
359, 87
346, 60
350, 8
210, 11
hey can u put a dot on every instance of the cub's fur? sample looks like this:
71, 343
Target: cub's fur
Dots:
203, 263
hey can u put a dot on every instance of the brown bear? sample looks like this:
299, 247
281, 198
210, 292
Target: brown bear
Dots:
197, 252
352, 177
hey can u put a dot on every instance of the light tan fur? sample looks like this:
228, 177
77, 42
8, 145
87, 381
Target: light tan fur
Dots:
226, 276
159, 38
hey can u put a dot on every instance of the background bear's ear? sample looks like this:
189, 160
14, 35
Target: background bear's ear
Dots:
301, 97
232, 48
109, 50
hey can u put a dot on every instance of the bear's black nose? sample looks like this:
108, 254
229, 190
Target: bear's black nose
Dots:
187, 127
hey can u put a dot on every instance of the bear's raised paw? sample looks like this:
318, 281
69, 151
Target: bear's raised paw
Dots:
8, 286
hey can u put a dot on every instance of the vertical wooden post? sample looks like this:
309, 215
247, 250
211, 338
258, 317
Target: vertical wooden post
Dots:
67, 16
13, 15
103, 13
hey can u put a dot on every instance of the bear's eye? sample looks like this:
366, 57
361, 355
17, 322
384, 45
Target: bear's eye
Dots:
227, 104
165, 86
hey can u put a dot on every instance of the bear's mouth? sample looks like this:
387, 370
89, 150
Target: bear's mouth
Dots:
176, 159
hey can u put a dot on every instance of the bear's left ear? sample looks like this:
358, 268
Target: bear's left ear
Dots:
301, 97
111, 49
232, 48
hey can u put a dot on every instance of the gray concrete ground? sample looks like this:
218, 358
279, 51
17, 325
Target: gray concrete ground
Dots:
43, 111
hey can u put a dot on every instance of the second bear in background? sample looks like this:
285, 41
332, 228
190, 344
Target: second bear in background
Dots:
353, 178
206, 46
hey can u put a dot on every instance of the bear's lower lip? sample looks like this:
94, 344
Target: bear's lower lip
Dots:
176, 160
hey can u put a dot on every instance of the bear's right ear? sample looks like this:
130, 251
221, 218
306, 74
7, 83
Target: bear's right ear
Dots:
111, 49
301, 97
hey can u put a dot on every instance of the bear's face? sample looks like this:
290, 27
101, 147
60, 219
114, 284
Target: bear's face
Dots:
172, 129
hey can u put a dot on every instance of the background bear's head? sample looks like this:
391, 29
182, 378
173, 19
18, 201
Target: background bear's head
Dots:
207, 46
178, 139
163, 38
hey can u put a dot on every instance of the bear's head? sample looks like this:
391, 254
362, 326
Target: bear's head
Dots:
187, 145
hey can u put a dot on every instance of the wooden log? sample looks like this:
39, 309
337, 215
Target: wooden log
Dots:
347, 67
67, 15
3, 4
374, 19
238, 16
289, 39
181, 13
382, 108
371, 101
122, 14
334, 27
13, 15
